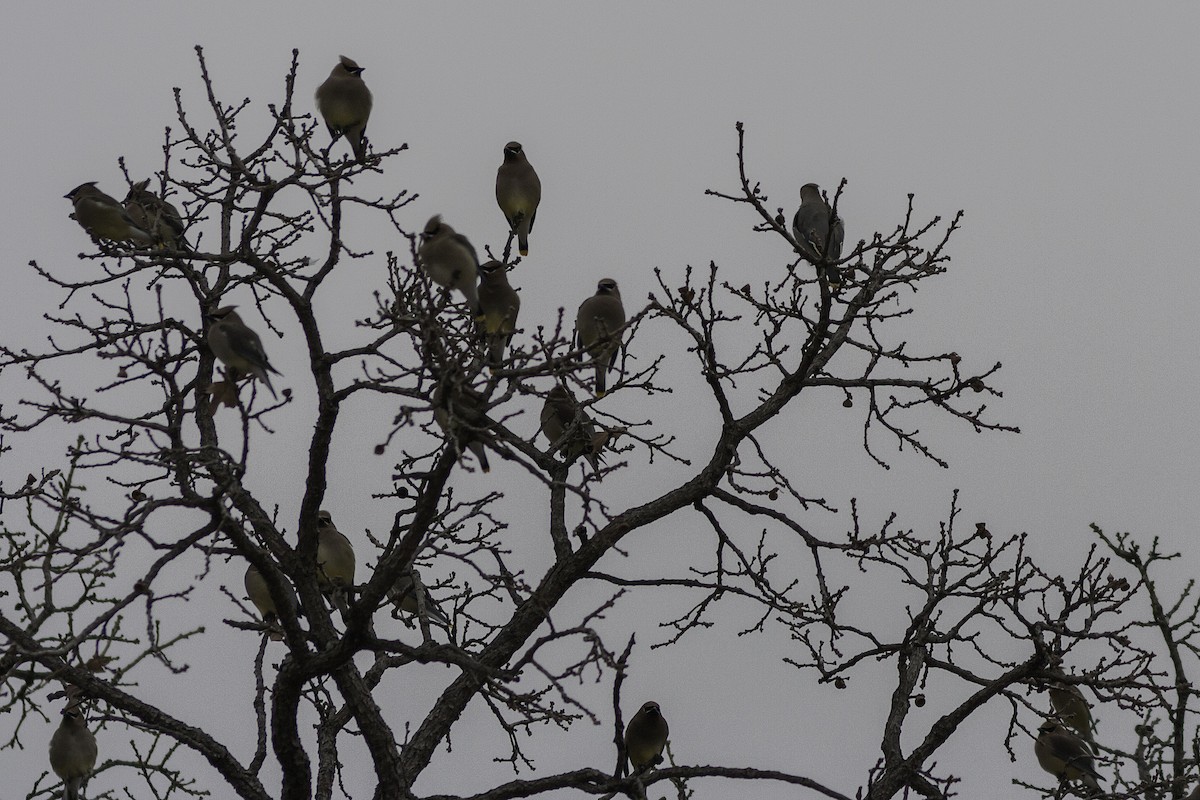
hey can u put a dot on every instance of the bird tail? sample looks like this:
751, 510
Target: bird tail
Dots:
338, 597
480, 453
436, 616
595, 451
523, 236
496, 344
267, 380
71, 789
141, 237
358, 139
470, 291
833, 275
601, 369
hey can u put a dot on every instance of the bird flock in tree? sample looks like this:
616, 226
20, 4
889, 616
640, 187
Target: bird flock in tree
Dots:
447, 257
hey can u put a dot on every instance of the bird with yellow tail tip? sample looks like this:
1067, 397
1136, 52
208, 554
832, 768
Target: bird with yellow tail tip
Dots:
518, 193
598, 328
645, 737
499, 305
345, 104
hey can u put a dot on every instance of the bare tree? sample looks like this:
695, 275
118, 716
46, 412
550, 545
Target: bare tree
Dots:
97, 584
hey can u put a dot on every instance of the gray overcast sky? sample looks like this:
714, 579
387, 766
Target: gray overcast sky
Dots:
1066, 132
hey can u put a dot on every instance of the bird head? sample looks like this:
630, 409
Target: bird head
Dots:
650, 709
493, 267
350, 65
72, 712
432, 228
606, 286
512, 149
81, 189
140, 192
221, 314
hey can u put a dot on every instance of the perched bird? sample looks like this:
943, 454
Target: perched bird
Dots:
103, 217
151, 213
598, 328
335, 561
1065, 756
458, 410
238, 347
518, 191
645, 737
345, 104
404, 595
569, 428
73, 751
499, 305
449, 259
260, 595
818, 233
1072, 707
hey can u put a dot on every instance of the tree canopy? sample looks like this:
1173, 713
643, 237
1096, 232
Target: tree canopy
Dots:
499, 598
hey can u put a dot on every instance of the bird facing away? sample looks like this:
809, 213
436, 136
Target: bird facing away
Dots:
151, 213
345, 104
598, 328
458, 410
1065, 756
103, 217
518, 192
335, 561
449, 260
818, 234
569, 428
499, 305
645, 737
73, 751
238, 347
1072, 708
405, 597
260, 595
